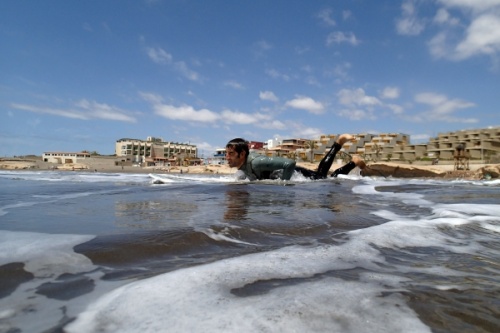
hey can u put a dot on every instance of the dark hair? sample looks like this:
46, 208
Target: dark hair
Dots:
239, 145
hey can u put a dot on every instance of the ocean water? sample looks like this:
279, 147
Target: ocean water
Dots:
95, 252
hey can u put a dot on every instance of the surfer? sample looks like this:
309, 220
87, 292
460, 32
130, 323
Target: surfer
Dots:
257, 167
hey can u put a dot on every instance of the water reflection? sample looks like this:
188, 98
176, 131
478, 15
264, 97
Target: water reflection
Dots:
155, 214
237, 201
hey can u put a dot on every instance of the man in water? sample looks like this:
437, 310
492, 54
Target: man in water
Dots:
257, 167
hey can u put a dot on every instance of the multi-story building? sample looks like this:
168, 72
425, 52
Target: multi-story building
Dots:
286, 147
155, 151
480, 144
219, 157
383, 145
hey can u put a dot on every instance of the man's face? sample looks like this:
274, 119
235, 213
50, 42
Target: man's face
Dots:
234, 159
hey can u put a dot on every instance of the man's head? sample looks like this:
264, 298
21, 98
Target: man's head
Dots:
237, 152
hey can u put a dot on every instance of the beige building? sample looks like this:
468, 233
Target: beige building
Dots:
154, 151
480, 144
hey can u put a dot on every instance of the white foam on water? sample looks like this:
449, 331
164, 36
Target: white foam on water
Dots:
80, 177
200, 299
408, 198
178, 178
45, 255
464, 209
491, 227
4, 210
219, 236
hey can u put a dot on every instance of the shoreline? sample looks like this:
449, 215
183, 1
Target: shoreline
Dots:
385, 169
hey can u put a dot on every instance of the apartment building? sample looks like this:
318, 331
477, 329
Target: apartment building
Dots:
480, 144
384, 145
155, 151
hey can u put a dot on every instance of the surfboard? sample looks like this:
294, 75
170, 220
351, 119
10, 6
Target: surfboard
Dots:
178, 178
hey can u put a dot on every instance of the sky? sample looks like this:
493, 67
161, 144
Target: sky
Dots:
80, 75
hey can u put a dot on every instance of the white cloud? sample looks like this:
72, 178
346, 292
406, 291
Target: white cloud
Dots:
340, 72
268, 96
160, 56
83, 110
151, 98
234, 85
444, 17
360, 106
476, 34
205, 146
55, 112
390, 93
186, 113
338, 37
306, 103
396, 109
409, 23
438, 45
482, 37
261, 47
442, 108
103, 111
356, 97
326, 17
357, 114
472, 5
257, 119
277, 75
188, 73
306, 132
273, 124
346, 14
238, 117
189, 114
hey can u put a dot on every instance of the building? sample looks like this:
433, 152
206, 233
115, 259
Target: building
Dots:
256, 145
273, 143
64, 157
219, 157
382, 146
479, 144
155, 152
287, 148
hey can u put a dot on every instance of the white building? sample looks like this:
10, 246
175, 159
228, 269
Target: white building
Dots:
64, 157
273, 143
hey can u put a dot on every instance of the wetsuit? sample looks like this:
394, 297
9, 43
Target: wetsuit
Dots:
259, 167
264, 167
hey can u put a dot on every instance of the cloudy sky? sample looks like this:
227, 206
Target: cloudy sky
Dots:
79, 75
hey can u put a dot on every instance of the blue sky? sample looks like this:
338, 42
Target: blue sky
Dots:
79, 75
